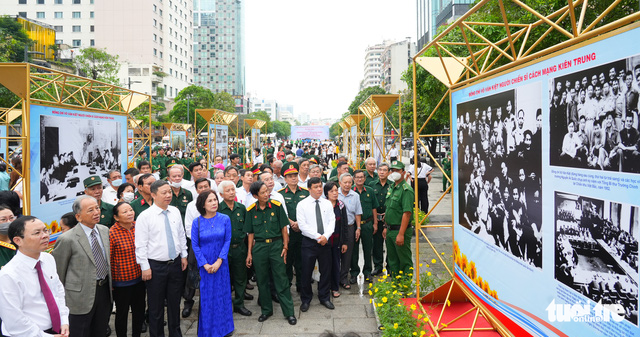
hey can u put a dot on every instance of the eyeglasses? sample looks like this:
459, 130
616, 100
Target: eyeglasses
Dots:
7, 219
45, 231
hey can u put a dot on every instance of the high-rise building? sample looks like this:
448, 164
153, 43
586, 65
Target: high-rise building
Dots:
269, 106
219, 46
431, 14
396, 58
153, 38
373, 66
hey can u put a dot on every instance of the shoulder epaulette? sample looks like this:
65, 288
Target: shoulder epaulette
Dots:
282, 189
251, 206
303, 188
276, 202
7, 245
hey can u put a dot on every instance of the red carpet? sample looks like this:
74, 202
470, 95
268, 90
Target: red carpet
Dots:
451, 312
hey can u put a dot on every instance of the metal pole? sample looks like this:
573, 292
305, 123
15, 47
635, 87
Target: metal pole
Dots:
188, 99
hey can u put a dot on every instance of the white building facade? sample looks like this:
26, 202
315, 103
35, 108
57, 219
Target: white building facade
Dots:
396, 59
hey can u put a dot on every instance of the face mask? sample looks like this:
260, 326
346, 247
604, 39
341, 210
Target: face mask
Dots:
128, 196
4, 228
394, 176
116, 183
175, 185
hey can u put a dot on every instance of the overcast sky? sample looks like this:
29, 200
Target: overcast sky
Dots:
310, 54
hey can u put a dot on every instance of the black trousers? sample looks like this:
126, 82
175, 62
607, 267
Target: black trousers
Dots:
189, 291
312, 251
423, 195
166, 283
129, 297
95, 322
336, 257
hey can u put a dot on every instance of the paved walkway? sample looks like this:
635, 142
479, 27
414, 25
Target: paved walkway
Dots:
353, 313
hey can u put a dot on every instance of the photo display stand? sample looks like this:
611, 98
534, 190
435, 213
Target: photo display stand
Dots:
544, 172
217, 128
67, 128
254, 140
345, 136
383, 126
358, 140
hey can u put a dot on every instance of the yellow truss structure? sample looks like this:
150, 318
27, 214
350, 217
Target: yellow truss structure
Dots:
355, 158
213, 116
345, 136
377, 106
478, 57
34, 84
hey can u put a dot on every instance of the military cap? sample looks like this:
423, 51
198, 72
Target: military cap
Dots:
92, 181
255, 169
290, 168
397, 165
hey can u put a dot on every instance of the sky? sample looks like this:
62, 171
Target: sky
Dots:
310, 54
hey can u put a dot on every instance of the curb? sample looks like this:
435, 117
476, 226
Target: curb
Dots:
375, 313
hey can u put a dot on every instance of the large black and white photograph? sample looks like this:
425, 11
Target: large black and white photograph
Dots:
499, 165
179, 140
594, 117
72, 149
219, 137
596, 251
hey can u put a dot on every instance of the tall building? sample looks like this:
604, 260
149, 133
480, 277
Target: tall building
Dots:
373, 66
431, 14
219, 47
396, 58
269, 106
153, 38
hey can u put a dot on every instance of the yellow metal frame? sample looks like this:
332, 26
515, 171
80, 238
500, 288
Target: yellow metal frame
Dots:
460, 64
378, 106
254, 124
34, 84
216, 117
360, 138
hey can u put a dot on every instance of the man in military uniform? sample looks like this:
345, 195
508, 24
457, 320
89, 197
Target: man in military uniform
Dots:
399, 208
238, 249
293, 194
270, 151
7, 250
334, 172
242, 152
144, 188
93, 187
234, 160
381, 186
266, 222
161, 161
370, 173
368, 224
341, 168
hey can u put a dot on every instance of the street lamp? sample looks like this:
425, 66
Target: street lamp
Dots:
188, 109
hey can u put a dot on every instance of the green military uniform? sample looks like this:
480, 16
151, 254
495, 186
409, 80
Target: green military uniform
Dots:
161, 161
242, 152
446, 166
7, 252
106, 214
181, 200
139, 205
368, 180
400, 199
237, 257
369, 202
266, 225
294, 255
334, 173
186, 162
378, 240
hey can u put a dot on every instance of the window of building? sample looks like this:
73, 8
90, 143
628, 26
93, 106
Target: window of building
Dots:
155, 8
76, 15
40, 2
22, 2
92, 42
91, 28
161, 57
76, 29
155, 51
76, 43
155, 37
40, 15
155, 22
58, 15
91, 15
160, 40
22, 14
76, 2
58, 29
160, 26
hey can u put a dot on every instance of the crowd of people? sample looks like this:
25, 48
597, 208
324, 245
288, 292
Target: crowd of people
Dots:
151, 238
500, 178
594, 120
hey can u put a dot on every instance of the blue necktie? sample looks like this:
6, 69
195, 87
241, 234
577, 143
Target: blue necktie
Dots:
167, 228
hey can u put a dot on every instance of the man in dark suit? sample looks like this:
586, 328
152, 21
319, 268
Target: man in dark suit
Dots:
82, 259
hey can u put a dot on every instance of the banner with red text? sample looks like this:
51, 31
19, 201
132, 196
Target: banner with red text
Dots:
320, 132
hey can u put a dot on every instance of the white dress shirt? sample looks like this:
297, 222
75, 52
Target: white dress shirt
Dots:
22, 304
110, 195
190, 215
190, 186
306, 215
273, 195
151, 238
302, 183
87, 232
241, 194
279, 180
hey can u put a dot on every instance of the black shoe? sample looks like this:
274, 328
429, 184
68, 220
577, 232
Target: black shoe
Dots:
292, 320
108, 331
353, 280
145, 326
250, 286
263, 317
304, 307
253, 278
186, 312
248, 296
274, 297
242, 311
376, 272
328, 305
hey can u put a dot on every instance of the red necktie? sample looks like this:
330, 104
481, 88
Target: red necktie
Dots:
51, 301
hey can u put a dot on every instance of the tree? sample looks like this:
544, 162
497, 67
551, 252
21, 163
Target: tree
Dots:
13, 40
362, 96
282, 129
194, 97
98, 65
335, 130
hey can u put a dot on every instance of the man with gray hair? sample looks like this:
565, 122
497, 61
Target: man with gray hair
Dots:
83, 263
370, 174
351, 200
277, 172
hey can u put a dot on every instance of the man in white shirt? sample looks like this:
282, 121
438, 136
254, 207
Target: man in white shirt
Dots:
303, 174
192, 212
393, 153
197, 171
277, 173
161, 252
243, 191
110, 193
27, 307
316, 221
